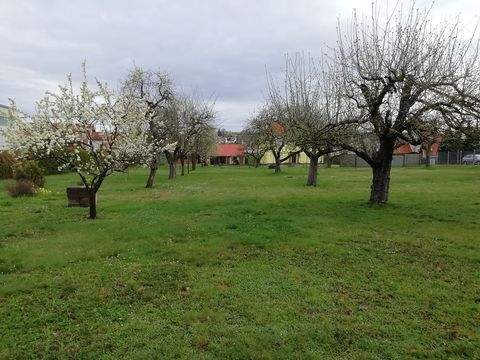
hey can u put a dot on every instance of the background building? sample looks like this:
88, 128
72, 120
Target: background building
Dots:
228, 154
300, 158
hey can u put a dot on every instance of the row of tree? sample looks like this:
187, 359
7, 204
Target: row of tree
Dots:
96, 131
390, 80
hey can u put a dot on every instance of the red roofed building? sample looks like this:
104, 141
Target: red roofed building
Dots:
229, 154
416, 149
409, 149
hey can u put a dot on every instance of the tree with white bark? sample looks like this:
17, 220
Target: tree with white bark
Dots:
391, 69
68, 124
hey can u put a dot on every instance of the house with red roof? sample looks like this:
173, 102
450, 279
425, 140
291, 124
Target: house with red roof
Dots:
228, 154
406, 150
417, 149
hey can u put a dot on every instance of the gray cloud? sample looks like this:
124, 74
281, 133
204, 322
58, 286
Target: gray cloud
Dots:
220, 47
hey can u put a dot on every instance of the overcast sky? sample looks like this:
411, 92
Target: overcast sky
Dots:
218, 47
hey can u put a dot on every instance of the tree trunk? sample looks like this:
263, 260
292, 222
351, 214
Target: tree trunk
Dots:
151, 177
194, 163
312, 171
380, 184
278, 163
381, 173
172, 171
328, 161
93, 204
182, 162
257, 162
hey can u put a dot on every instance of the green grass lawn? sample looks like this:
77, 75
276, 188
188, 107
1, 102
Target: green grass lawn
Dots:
242, 263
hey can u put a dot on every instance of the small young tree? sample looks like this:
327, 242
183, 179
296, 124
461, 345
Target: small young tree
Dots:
390, 70
90, 131
310, 110
152, 90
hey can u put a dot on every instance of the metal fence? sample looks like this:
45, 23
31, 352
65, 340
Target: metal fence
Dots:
454, 157
443, 158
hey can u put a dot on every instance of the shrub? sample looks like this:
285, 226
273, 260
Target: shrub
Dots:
7, 160
29, 170
50, 166
20, 188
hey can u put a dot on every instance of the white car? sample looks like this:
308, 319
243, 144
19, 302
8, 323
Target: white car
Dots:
471, 159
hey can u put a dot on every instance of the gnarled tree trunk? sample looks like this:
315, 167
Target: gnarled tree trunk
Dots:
278, 162
312, 171
182, 162
381, 173
278, 166
172, 171
151, 177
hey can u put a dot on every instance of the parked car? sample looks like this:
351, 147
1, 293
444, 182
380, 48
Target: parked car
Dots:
471, 159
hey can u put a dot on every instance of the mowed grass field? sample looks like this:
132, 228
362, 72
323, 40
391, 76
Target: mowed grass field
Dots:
242, 263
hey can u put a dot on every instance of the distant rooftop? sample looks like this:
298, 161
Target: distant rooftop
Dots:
230, 150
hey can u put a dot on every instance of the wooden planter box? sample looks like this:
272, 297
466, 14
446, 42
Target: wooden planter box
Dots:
78, 196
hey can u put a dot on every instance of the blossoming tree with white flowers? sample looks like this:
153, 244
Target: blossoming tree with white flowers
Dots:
92, 131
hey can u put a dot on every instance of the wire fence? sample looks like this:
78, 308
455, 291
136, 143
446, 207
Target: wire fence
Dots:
456, 157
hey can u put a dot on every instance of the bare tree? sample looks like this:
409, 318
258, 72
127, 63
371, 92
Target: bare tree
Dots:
311, 111
390, 69
270, 124
255, 147
185, 118
203, 145
152, 90
428, 130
